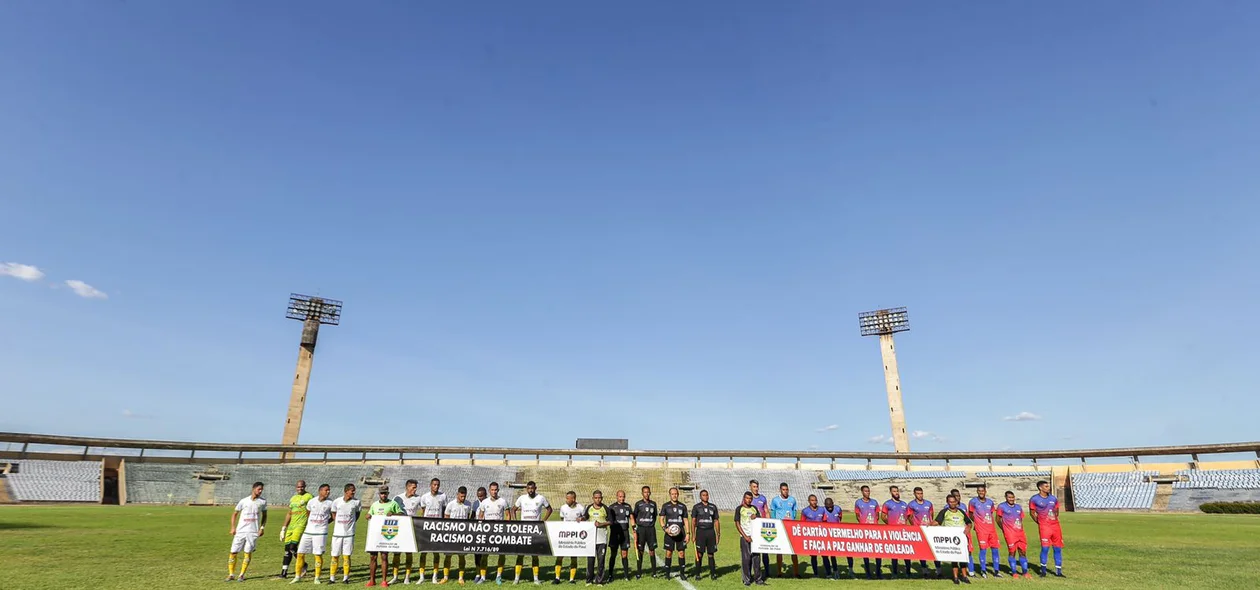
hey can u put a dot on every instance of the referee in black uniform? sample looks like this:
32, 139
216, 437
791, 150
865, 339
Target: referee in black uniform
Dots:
706, 533
674, 513
645, 530
619, 535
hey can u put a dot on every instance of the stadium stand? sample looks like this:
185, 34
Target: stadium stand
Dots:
158, 483
1013, 474
1226, 485
452, 477
877, 475
55, 481
1225, 479
727, 486
1113, 491
1189, 499
553, 482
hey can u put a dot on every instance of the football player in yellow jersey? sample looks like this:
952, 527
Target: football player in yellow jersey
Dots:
294, 524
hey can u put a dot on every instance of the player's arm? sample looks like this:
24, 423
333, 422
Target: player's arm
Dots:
739, 526
940, 516
882, 513
1032, 511
547, 515
288, 517
686, 523
232, 520
717, 524
262, 521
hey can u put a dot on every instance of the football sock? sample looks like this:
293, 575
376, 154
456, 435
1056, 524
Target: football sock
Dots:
712, 566
345, 567
1010, 561
572, 573
231, 565
1045, 554
669, 565
319, 565
640, 564
518, 572
482, 571
301, 562
288, 557
535, 572
984, 564
993, 555
1058, 558
971, 564
446, 572
245, 564
558, 568
1023, 563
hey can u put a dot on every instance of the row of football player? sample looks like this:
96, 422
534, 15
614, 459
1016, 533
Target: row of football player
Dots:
703, 524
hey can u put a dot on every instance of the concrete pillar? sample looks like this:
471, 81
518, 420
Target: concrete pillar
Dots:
301, 382
892, 382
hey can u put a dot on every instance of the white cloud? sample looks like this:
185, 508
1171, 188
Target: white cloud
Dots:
85, 290
1022, 417
134, 416
829, 427
927, 434
21, 271
880, 439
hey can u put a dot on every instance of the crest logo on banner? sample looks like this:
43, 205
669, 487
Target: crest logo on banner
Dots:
389, 529
769, 532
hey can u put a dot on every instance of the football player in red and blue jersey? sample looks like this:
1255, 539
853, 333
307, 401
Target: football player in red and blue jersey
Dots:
980, 509
832, 513
919, 512
1044, 509
867, 512
893, 511
1010, 516
814, 513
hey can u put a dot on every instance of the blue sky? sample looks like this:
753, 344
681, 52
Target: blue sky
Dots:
649, 220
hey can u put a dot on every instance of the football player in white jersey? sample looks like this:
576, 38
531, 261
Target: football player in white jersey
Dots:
570, 511
492, 508
346, 515
476, 504
530, 506
409, 501
319, 513
432, 505
458, 509
248, 521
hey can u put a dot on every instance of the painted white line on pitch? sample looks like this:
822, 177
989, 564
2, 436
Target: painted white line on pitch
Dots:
685, 584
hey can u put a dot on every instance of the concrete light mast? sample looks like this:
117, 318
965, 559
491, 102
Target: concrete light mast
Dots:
884, 323
311, 311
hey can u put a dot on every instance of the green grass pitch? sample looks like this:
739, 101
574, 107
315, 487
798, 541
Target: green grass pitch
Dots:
107, 547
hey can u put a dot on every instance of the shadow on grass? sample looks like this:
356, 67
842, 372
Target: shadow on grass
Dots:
10, 526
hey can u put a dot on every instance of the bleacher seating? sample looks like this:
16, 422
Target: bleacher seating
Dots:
56, 481
1189, 499
1224, 479
452, 476
994, 474
727, 486
888, 474
1113, 491
159, 483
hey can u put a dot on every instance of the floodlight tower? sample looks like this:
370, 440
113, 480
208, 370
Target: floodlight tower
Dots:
884, 323
311, 311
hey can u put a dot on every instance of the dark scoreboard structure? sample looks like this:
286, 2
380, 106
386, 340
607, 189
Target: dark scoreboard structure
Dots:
603, 444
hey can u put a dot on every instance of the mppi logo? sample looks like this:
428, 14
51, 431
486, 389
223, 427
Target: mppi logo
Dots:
573, 535
954, 540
